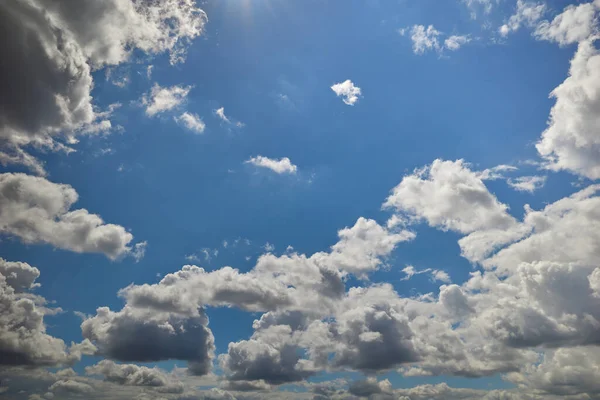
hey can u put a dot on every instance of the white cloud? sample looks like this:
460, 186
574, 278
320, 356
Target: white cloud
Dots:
455, 42
527, 13
447, 194
220, 113
37, 210
347, 91
575, 24
571, 141
191, 121
436, 275
527, 183
280, 166
134, 375
139, 251
161, 99
424, 38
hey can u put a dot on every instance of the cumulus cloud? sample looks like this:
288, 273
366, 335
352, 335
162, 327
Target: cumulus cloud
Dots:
448, 195
575, 24
137, 334
66, 41
280, 166
37, 210
347, 91
527, 183
571, 141
527, 13
191, 121
135, 375
23, 337
161, 99
436, 275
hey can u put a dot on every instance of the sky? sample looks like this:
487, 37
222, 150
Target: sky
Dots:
309, 199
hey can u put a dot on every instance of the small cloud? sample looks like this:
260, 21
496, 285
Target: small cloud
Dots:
220, 113
149, 69
191, 121
347, 91
225, 244
161, 99
455, 42
281, 166
527, 13
139, 250
527, 183
436, 275
424, 39
269, 248
494, 173
81, 315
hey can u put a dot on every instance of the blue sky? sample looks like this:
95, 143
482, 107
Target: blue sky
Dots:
203, 198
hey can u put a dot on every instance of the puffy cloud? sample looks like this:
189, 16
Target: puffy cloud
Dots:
455, 42
70, 387
564, 372
23, 337
281, 166
527, 183
575, 24
527, 13
290, 282
369, 387
161, 99
19, 275
145, 335
191, 121
65, 40
271, 355
37, 210
135, 375
448, 195
571, 141
424, 38
347, 91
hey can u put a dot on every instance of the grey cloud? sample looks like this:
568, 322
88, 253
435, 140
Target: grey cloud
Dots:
53, 47
135, 375
23, 337
144, 335
37, 210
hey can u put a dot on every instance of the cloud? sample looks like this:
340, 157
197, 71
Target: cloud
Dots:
455, 42
220, 113
137, 334
571, 142
70, 387
448, 195
424, 38
369, 387
436, 275
527, 13
139, 251
280, 166
37, 210
23, 337
347, 91
527, 183
575, 24
162, 99
135, 375
66, 41
191, 121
